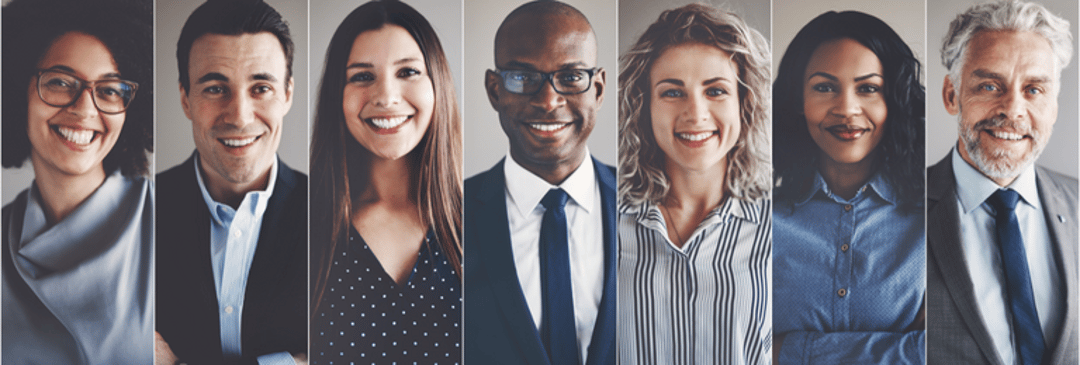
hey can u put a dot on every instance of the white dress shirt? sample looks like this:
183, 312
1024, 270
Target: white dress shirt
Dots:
983, 256
234, 234
584, 215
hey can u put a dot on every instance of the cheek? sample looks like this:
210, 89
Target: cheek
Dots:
422, 97
661, 116
352, 101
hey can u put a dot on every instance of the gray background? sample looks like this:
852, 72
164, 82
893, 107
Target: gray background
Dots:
636, 15
173, 135
485, 142
444, 16
1060, 154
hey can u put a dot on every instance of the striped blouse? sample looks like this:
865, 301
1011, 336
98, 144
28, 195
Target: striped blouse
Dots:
706, 303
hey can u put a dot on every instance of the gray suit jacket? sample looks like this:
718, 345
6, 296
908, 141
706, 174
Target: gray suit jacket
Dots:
956, 333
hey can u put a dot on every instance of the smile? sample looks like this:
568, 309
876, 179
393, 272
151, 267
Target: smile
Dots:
1006, 135
238, 142
76, 136
695, 137
388, 123
548, 127
847, 133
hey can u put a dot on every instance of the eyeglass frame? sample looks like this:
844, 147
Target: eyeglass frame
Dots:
87, 84
549, 77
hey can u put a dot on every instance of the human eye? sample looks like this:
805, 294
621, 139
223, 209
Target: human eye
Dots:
1036, 90
716, 91
60, 82
262, 90
109, 92
361, 77
522, 77
988, 87
869, 89
214, 91
408, 72
823, 87
672, 93
570, 77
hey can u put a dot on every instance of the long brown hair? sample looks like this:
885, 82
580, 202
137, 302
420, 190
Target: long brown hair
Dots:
336, 158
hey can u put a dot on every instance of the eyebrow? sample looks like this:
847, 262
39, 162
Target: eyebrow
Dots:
213, 76
369, 65
675, 82
996, 76
114, 75
264, 76
834, 78
530, 67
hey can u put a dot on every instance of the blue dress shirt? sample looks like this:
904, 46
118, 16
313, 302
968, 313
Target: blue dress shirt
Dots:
849, 277
234, 234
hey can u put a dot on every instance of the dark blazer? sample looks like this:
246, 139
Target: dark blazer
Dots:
275, 301
956, 333
498, 325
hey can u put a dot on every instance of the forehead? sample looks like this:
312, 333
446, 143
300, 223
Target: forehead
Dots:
391, 42
82, 53
237, 55
692, 61
1016, 53
843, 57
547, 44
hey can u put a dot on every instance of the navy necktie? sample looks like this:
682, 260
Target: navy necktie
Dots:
1025, 318
557, 327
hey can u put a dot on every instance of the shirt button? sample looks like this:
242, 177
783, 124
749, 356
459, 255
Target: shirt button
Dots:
237, 233
842, 292
844, 247
228, 309
847, 208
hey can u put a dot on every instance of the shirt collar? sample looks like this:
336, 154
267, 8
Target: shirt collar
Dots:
526, 189
649, 214
222, 213
974, 188
877, 185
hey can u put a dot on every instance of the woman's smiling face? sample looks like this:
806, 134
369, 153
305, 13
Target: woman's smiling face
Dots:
388, 98
844, 100
75, 139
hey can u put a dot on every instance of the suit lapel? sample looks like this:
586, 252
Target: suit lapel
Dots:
498, 265
602, 345
943, 239
1058, 203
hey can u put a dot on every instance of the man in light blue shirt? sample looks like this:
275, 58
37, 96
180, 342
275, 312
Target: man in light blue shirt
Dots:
231, 286
1001, 232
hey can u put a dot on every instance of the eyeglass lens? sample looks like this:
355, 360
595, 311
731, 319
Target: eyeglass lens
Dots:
61, 90
565, 81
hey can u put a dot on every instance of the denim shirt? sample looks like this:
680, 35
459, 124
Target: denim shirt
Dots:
849, 277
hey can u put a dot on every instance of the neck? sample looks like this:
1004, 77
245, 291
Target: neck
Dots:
554, 173
697, 191
61, 193
232, 193
389, 181
845, 179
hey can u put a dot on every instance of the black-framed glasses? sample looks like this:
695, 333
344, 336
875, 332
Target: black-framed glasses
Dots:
566, 82
61, 90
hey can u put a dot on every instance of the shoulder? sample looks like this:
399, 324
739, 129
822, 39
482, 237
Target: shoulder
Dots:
177, 176
475, 183
1062, 185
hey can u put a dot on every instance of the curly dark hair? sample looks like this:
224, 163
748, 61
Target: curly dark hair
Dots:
901, 151
126, 29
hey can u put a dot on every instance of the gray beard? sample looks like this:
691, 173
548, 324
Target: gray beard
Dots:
999, 163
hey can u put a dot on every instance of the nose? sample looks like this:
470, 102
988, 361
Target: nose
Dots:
241, 110
387, 93
847, 104
547, 99
698, 109
84, 106
1013, 105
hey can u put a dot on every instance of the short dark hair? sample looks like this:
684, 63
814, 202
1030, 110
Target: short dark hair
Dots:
125, 27
901, 157
232, 17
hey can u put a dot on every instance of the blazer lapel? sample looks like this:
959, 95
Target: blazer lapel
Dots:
1059, 205
271, 253
498, 265
943, 239
602, 345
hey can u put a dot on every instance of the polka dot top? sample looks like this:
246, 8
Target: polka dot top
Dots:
367, 318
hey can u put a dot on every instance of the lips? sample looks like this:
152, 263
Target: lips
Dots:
1008, 136
387, 122
548, 127
847, 132
78, 136
695, 136
238, 142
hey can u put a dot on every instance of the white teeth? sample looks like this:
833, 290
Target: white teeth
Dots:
387, 123
1007, 135
694, 137
548, 127
238, 142
76, 136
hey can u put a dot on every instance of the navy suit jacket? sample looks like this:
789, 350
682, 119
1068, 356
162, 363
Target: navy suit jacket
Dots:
275, 300
498, 325
955, 330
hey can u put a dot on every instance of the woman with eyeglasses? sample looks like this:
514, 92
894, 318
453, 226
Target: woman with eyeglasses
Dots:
849, 239
386, 195
77, 253
694, 226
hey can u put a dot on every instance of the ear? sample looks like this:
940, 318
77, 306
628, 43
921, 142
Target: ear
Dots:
948, 95
288, 95
599, 81
492, 84
184, 101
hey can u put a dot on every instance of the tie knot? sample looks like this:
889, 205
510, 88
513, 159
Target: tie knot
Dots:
554, 199
1004, 200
